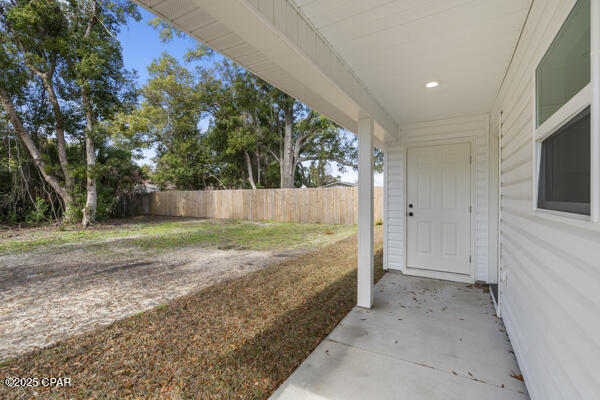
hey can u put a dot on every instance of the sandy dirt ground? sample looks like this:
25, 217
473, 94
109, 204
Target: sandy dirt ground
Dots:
47, 297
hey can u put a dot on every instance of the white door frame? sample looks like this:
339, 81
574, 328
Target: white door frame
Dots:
472, 141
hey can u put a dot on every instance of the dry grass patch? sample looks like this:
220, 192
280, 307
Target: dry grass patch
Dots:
235, 340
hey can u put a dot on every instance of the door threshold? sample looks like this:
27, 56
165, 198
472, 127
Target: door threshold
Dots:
442, 275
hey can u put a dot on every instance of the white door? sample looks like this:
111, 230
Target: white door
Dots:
439, 208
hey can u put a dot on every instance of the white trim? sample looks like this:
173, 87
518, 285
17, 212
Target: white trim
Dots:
460, 127
365, 214
499, 223
492, 189
385, 207
563, 214
595, 111
562, 116
496, 306
472, 141
446, 276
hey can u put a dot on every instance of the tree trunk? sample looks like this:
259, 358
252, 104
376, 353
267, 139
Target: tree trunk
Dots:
250, 174
287, 161
243, 177
52, 180
91, 202
257, 164
60, 133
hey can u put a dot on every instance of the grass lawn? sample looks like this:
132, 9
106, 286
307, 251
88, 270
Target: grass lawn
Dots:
147, 234
235, 340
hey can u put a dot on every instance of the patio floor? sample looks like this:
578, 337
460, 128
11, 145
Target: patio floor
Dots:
423, 339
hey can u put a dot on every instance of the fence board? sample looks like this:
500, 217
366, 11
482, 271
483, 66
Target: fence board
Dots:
314, 205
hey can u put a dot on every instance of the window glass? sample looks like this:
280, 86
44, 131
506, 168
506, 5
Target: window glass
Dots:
564, 181
565, 68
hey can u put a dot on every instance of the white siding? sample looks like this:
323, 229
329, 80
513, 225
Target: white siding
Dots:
472, 126
550, 266
394, 222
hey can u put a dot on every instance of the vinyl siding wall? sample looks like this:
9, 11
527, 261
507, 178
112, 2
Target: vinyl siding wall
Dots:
471, 126
549, 265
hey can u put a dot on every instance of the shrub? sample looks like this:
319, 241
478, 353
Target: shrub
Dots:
38, 214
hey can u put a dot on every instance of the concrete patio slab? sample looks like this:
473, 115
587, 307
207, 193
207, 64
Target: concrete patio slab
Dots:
423, 339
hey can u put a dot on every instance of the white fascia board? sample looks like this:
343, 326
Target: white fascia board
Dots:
379, 143
338, 86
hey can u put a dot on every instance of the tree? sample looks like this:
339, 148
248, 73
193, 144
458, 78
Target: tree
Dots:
317, 174
32, 37
256, 126
240, 123
70, 50
21, 184
168, 119
258, 136
261, 125
301, 134
96, 73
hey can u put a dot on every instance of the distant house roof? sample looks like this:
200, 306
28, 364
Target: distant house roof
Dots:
340, 184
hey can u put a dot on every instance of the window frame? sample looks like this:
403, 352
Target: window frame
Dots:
588, 96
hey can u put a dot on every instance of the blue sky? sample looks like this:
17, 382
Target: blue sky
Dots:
141, 45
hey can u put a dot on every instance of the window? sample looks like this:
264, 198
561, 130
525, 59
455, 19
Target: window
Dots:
565, 68
562, 111
564, 183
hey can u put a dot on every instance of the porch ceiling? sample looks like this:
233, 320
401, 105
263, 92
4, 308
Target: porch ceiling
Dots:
397, 46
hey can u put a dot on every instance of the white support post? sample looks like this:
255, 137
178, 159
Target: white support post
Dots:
384, 217
595, 111
365, 213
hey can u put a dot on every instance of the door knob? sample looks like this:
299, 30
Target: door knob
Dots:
410, 206
410, 214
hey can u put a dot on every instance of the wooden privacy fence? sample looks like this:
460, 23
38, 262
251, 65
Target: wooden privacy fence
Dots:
314, 205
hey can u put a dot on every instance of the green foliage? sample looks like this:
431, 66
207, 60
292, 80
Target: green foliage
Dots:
257, 135
243, 143
116, 174
20, 180
316, 174
147, 238
168, 119
167, 32
38, 214
63, 68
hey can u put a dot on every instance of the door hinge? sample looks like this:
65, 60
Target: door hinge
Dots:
470, 260
470, 209
470, 159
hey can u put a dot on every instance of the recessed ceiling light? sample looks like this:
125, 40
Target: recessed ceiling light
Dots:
431, 85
